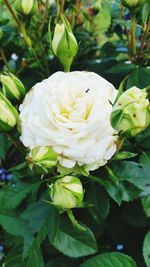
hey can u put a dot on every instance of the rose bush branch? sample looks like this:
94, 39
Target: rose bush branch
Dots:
25, 36
21, 26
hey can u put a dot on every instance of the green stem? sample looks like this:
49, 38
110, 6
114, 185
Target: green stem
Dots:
74, 221
45, 16
133, 37
21, 26
67, 68
57, 8
62, 4
25, 36
145, 34
5, 59
12, 12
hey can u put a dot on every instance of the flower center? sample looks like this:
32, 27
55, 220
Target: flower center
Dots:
77, 107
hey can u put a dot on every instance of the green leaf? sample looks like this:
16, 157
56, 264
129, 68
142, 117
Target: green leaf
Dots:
12, 195
13, 225
43, 229
122, 191
70, 240
35, 214
140, 78
122, 68
134, 173
113, 259
124, 155
145, 158
35, 258
143, 139
146, 249
121, 88
146, 205
96, 196
14, 257
145, 12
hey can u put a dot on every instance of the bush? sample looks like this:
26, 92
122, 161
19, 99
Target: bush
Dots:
75, 154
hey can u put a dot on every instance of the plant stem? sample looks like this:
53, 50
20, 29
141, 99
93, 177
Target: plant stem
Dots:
45, 16
145, 34
133, 37
62, 4
66, 68
74, 221
57, 8
25, 36
21, 26
5, 60
12, 12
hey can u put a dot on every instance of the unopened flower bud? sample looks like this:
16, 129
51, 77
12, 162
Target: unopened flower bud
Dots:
8, 115
12, 87
133, 4
97, 7
131, 112
27, 7
43, 157
64, 44
67, 192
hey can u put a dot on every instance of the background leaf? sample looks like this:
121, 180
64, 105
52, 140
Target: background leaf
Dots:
113, 259
71, 241
146, 249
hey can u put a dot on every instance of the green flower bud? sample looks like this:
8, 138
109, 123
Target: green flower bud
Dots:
43, 157
97, 7
133, 4
64, 44
67, 192
12, 87
8, 115
27, 7
131, 112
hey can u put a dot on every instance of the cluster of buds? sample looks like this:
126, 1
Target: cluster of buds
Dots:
27, 7
64, 44
12, 89
67, 193
131, 112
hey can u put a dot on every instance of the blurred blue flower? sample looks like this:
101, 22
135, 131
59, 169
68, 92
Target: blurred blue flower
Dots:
119, 247
5, 175
127, 16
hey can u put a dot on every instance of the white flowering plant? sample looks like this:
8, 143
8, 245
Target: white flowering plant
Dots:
74, 133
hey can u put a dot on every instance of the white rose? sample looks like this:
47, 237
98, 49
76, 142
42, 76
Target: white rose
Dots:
71, 113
